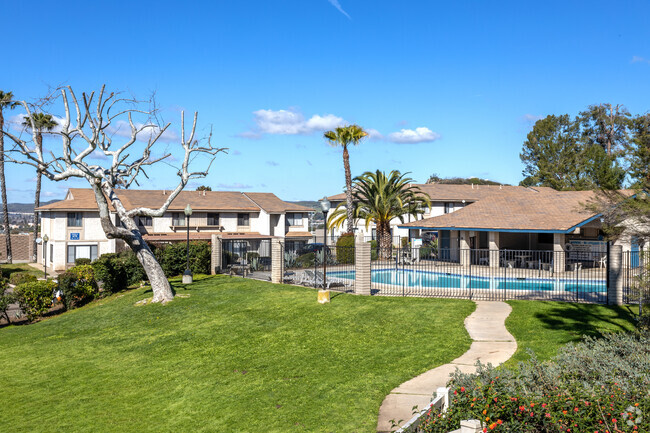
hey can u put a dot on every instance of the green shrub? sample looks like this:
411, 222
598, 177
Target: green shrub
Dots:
345, 249
110, 273
21, 278
374, 250
429, 250
6, 299
78, 286
306, 260
130, 265
173, 258
82, 261
596, 385
35, 298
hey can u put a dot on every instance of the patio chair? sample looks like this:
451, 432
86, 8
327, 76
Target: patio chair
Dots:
332, 280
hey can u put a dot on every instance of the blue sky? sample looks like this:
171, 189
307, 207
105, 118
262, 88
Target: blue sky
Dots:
447, 87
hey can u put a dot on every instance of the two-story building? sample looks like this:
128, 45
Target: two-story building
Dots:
74, 229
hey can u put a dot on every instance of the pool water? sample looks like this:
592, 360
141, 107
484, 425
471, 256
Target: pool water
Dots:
424, 279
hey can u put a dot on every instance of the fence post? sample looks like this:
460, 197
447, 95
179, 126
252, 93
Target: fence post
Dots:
615, 287
277, 260
362, 264
216, 256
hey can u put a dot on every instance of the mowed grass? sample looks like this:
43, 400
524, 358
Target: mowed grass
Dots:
8, 269
235, 356
546, 326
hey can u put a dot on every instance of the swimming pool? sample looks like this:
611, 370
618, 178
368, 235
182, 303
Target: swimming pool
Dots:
425, 279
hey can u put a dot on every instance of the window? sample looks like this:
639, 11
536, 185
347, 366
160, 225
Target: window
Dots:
51, 252
178, 219
213, 219
449, 207
243, 219
373, 234
81, 252
145, 221
74, 219
294, 219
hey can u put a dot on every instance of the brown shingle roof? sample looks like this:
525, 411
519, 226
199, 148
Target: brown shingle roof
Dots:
272, 204
84, 199
519, 209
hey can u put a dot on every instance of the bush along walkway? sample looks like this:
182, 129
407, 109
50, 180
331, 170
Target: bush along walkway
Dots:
492, 343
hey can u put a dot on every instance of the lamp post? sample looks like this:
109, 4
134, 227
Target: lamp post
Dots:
45, 239
324, 294
187, 275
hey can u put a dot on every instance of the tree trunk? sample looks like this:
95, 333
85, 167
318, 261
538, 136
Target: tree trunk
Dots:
385, 241
37, 198
3, 188
162, 290
348, 190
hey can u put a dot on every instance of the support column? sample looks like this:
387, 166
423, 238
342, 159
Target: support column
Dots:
453, 245
216, 256
615, 280
559, 255
493, 245
362, 264
464, 248
277, 260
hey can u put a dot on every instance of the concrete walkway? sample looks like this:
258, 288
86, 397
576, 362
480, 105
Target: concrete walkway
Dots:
492, 344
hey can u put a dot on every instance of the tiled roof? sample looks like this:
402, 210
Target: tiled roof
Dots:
526, 209
298, 235
84, 199
457, 193
272, 204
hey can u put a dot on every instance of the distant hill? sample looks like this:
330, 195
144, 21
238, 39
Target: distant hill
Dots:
462, 181
26, 207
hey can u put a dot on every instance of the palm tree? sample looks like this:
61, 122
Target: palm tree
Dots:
40, 122
342, 136
6, 101
379, 199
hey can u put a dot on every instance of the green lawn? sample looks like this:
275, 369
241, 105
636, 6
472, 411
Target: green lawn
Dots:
236, 356
8, 269
546, 326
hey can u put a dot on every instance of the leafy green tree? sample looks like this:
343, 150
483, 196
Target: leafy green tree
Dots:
343, 136
378, 199
552, 155
6, 101
606, 125
204, 188
638, 152
39, 123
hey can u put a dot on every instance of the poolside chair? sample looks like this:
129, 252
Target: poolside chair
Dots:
332, 280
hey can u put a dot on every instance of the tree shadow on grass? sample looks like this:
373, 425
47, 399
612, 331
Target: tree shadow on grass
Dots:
580, 320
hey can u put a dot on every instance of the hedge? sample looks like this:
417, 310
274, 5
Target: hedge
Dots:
35, 298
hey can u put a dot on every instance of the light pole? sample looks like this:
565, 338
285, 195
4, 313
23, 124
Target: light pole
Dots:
324, 294
45, 239
187, 275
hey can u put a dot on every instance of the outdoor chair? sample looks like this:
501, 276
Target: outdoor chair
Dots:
332, 280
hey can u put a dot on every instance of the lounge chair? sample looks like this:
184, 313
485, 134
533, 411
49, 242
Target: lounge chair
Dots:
332, 280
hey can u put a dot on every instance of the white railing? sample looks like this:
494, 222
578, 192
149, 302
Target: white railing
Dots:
441, 403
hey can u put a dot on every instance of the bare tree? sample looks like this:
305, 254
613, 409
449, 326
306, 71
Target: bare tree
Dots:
88, 127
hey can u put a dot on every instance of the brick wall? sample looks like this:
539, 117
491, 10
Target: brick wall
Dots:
21, 247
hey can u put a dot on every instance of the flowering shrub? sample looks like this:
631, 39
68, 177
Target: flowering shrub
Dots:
78, 286
599, 385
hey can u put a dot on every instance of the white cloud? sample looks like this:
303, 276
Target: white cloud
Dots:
289, 122
235, 185
272, 163
411, 136
373, 134
639, 59
121, 128
98, 154
337, 5
530, 118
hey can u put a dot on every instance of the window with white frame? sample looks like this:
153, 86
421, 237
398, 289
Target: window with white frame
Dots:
213, 219
243, 219
75, 219
294, 219
178, 219
145, 221
81, 252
